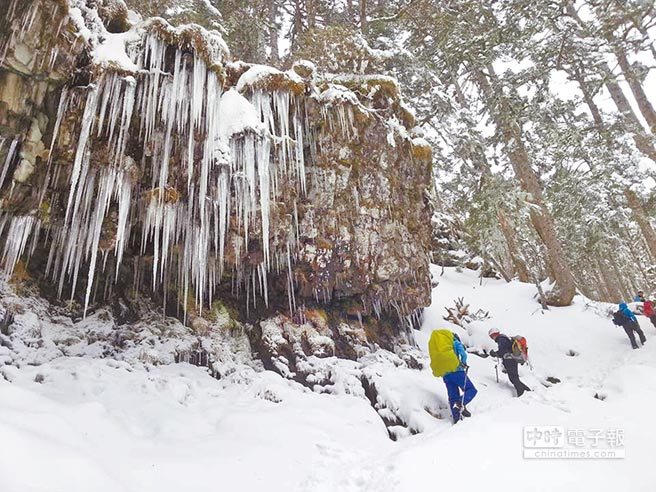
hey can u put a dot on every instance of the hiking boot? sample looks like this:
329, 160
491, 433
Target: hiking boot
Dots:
462, 410
523, 390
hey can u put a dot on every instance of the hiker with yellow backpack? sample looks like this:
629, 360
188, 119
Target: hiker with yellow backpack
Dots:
511, 352
449, 361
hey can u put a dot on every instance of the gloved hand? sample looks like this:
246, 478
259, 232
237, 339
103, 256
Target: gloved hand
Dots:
494, 353
464, 366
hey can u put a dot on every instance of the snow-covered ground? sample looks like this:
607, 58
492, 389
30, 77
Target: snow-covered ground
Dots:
93, 424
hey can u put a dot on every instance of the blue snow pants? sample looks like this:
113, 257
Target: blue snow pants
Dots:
456, 381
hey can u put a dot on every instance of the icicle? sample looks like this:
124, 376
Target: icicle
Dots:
10, 155
223, 208
19, 232
35, 239
81, 158
174, 107
63, 102
290, 281
263, 171
300, 159
124, 197
197, 100
340, 118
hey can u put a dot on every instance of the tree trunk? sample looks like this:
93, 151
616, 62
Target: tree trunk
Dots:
311, 6
635, 21
363, 16
459, 94
480, 162
640, 216
610, 281
515, 256
642, 140
601, 286
628, 21
650, 260
274, 57
565, 286
625, 289
589, 100
586, 287
298, 23
499, 267
633, 201
644, 105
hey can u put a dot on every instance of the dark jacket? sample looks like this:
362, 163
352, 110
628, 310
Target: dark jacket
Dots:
627, 312
505, 347
621, 319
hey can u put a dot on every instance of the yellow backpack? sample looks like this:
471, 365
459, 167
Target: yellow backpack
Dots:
443, 357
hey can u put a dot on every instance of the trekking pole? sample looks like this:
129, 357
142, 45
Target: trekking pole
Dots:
464, 385
496, 368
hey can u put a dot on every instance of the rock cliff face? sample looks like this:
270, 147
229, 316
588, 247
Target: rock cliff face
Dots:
138, 160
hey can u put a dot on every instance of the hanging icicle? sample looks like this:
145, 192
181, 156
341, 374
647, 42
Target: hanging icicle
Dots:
170, 163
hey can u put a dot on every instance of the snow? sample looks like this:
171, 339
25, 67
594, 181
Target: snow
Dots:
307, 64
337, 106
89, 418
211, 8
237, 115
336, 93
77, 18
112, 50
254, 74
88, 423
158, 432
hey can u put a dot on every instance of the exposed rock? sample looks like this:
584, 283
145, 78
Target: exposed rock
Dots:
128, 164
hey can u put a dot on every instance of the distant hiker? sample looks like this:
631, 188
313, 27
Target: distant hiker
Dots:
640, 297
625, 318
648, 309
510, 362
449, 361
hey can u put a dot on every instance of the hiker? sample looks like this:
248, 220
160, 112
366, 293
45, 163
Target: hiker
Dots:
509, 362
640, 297
648, 309
449, 361
625, 318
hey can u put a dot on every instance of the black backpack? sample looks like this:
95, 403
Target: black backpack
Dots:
619, 318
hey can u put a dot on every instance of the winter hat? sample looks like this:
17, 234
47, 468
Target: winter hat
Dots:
493, 331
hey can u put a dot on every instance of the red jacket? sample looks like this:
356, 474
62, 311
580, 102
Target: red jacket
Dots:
648, 308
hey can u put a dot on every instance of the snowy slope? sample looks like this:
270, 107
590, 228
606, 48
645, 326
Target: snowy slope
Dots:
486, 450
78, 423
